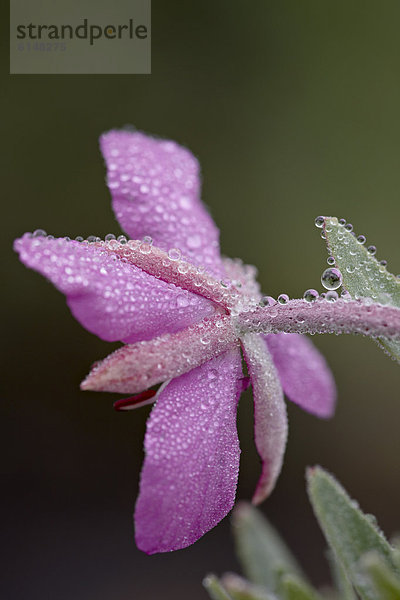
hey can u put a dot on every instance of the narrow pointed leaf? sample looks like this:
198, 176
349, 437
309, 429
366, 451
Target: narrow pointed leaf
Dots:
348, 531
363, 275
241, 589
215, 588
386, 583
293, 588
263, 555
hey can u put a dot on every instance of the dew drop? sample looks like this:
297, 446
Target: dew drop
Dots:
311, 295
331, 296
182, 301
319, 222
91, 239
212, 374
174, 254
39, 233
122, 239
330, 260
383, 262
348, 227
283, 298
361, 239
331, 279
372, 250
79, 238
267, 301
342, 222
194, 241
109, 237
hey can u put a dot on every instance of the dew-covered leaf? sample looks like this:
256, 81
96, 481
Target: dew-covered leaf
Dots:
263, 555
348, 531
215, 588
386, 583
241, 589
363, 276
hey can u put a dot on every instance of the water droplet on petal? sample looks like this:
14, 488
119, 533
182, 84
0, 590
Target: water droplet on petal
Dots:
330, 260
319, 222
283, 298
109, 237
174, 254
194, 241
372, 250
348, 227
342, 222
182, 301
361, 239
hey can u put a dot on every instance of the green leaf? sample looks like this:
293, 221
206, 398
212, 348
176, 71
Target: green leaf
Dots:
263, 555
241, 589
343, 583
293, 588
386, 583
363, 276
215, 588
349, 532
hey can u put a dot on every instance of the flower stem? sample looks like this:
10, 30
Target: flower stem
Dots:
342, 316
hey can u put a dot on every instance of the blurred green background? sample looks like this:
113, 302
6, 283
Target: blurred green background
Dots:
293, 110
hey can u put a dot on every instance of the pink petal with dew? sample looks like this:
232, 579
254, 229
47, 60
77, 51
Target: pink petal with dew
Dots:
305, 376
155, 188
134, 368
270, 419
190, 472
171, 268
111, 298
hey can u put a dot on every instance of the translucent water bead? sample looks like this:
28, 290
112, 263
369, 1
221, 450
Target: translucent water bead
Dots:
331, 279
311, 295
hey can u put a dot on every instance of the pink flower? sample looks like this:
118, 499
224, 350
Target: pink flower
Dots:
184, 314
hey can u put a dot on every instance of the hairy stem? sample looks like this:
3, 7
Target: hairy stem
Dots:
342, 316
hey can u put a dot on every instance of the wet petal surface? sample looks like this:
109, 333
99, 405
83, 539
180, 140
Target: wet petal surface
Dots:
305, 376
155, 188
112, 298
190, 472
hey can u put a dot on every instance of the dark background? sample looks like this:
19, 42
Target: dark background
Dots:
293, 110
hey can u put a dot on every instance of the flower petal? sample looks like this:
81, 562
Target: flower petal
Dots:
270, 419
112, 298
245, 275
135, 367
190, 472
305, 376
155, 187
